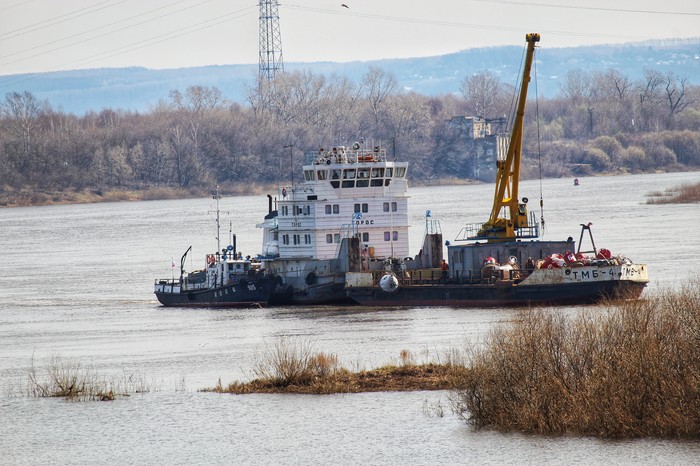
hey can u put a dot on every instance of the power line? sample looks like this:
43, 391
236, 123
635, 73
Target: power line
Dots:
164, 37
141, 43
58, 19
99, 35
401, 19
594, 8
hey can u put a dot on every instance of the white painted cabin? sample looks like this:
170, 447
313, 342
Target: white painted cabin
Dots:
344, 193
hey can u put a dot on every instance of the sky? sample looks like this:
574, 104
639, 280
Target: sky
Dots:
50, 35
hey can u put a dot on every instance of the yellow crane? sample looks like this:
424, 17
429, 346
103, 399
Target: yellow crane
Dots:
509, 216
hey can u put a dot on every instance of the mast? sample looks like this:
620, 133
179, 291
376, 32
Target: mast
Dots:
217, 196
509, 216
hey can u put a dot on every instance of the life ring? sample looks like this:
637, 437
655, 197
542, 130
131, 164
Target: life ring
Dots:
210, 259
311, 278
284, 192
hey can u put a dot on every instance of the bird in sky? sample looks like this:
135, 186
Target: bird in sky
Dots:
344, 5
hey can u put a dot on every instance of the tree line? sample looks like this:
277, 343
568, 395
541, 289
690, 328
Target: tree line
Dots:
600, 122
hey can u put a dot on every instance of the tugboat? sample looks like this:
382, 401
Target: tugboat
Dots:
226, 280
488, 270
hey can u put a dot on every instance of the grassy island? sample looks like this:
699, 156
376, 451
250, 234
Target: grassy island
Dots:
293, 367
620, 370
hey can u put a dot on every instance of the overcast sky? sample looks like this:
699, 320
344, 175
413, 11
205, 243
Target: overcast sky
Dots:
50, 35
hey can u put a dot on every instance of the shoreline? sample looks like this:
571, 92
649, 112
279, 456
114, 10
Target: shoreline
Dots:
37, 198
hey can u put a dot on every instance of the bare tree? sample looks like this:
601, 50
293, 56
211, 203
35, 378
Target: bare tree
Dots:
377, 85
486, 95
22, 112
577, 86
675, 88
650, 98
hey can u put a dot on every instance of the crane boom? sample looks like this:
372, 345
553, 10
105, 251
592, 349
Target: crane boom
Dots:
509, 216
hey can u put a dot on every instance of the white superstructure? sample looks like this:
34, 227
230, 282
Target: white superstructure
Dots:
345, 193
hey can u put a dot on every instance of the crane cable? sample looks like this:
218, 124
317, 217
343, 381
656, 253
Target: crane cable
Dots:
539, 152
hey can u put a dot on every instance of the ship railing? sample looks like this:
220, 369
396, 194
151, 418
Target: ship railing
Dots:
476, 231
167, 281
345, 155
434, 276
432, 227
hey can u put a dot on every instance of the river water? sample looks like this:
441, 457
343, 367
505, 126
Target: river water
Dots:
76, 284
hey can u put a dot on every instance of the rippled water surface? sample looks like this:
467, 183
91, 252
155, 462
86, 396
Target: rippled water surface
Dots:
76, 282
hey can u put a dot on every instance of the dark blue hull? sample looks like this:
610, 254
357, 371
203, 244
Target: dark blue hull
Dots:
493, 295
253, 293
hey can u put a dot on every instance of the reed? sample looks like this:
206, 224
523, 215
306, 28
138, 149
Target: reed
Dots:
683, 194
73, 381
628, 369
292, 366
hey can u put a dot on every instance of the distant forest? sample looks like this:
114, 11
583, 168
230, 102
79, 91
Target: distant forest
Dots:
601, 122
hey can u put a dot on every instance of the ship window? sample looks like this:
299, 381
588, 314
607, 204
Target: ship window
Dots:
335, 174
376, 182
307, 210
329, 238
394, 206
285, 210
386, 207
336, 237
387, 182
348, 183
322, 174
335, 184
400, 172
363, 172
387, 236
365, 237
336, 208
389, 172
395, 236
362, 183
297, 239
357, 208
285, 239
309, 175
377, 173
307, 239
349, 174
365, 207
328, 209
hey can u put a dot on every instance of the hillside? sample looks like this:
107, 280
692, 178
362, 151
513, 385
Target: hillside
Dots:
139, 89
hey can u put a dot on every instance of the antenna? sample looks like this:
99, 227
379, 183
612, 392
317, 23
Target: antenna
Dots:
270, 40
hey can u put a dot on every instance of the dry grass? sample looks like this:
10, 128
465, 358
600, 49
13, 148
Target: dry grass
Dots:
291, 366
630, 370
71, 380
684, 194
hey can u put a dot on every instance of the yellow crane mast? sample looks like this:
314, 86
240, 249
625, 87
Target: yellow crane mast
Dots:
509, 216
